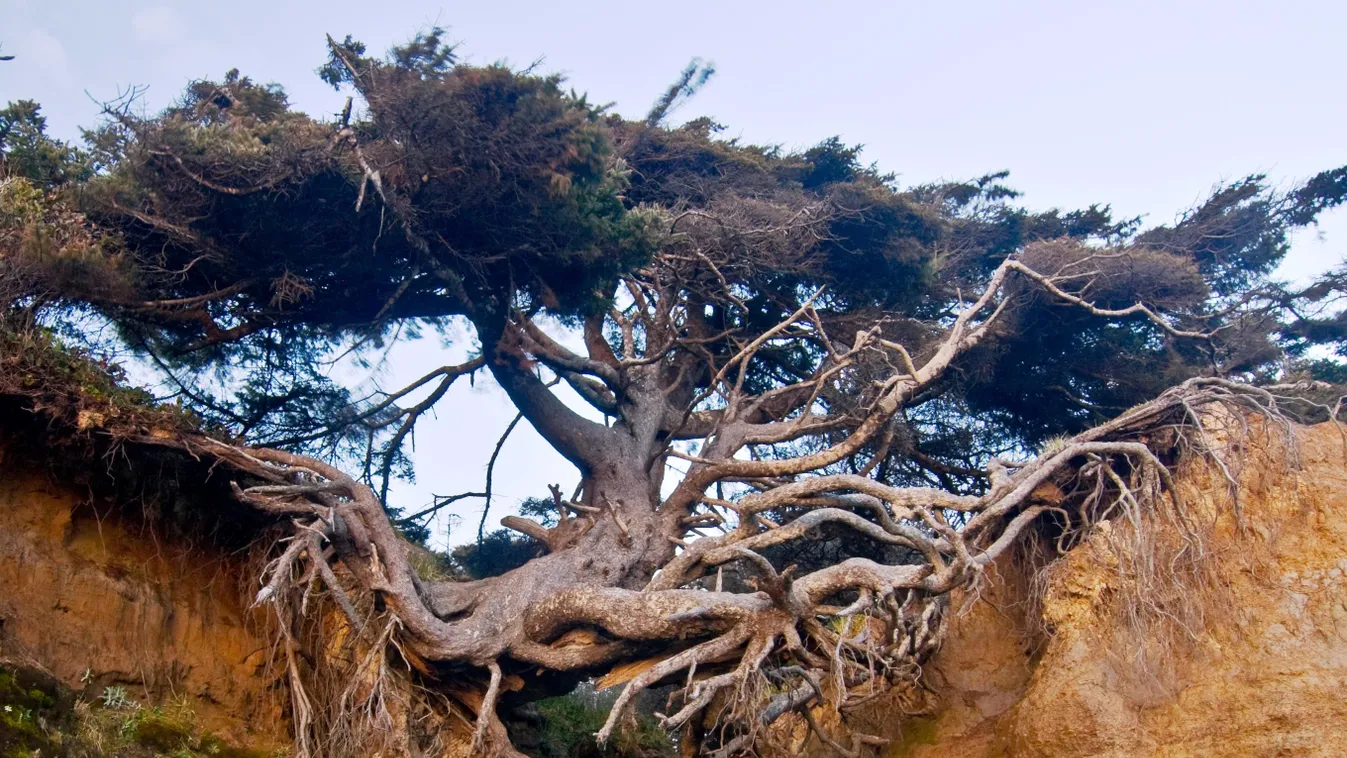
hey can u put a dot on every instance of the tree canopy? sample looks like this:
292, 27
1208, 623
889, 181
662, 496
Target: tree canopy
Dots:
853, 374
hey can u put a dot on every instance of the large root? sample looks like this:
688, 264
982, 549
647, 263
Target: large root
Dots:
834, 638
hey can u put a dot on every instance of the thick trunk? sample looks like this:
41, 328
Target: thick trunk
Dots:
618, 547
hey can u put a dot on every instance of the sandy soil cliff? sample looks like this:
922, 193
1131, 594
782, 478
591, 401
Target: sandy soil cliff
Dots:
1265, 676
99, 600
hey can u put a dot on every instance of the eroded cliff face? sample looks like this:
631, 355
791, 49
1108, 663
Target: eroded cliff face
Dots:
1265, 674
100, 600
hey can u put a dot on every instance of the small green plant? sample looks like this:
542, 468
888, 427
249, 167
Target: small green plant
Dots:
28, 710
116, 698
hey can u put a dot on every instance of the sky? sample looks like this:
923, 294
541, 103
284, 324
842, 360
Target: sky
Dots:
1144, 105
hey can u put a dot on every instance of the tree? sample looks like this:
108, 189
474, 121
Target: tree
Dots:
853, 376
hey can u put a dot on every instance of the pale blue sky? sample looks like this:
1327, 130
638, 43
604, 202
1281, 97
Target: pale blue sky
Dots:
1140, 104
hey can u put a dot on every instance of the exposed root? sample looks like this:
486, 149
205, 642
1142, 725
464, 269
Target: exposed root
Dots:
487, 713
822, 642
1151, 541
1114, 480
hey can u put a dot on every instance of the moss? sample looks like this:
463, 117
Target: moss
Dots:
162, 732
171, 731
33, 708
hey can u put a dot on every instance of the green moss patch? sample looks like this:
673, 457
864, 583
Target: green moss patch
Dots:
33, 709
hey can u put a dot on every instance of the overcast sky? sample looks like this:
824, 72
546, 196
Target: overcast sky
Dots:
1141, 104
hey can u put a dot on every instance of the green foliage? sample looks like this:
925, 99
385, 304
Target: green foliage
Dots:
26, 150
1057, 370
1325, 190
77, 389
493, 190
48, 253
336, 71
498, 552
244, 246
830, 162
502, 550
1333, 372
693, 78
1238, 234
1321, 320
426, 54
567, 725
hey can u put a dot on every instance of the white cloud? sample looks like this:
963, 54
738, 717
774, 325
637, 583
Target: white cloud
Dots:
158, 25
44, 52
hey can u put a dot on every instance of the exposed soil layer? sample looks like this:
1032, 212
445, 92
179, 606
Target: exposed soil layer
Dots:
100, 590
1264, 674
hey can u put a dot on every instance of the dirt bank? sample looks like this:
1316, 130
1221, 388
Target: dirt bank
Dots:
105, 597
103, 591
1263, 673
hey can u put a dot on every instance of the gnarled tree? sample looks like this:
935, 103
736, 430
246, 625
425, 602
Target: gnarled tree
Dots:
821, 392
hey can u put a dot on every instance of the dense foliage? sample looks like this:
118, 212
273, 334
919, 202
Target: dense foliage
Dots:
231, 233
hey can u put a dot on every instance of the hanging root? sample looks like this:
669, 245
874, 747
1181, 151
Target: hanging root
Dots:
688, 659
348, 695
1151, 537
487, 713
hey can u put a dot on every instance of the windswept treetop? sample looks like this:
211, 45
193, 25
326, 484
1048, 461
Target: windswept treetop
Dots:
852, 374
459, 190
253, 235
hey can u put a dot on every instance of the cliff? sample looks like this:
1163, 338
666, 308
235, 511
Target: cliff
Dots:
125, 626
1061, 667
115, 592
